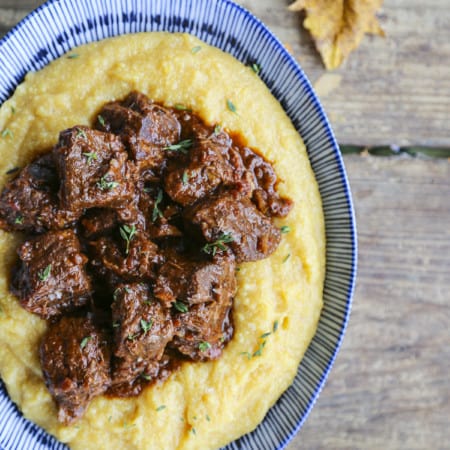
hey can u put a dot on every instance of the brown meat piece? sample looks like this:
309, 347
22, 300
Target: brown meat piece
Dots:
51, 279
206, 170
94, 170
30, 203
230, 220
75, 362
192, 282
139, 262
145, 127
142, 329
98, 222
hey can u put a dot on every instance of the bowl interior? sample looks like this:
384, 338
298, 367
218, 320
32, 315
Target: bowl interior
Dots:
57, 26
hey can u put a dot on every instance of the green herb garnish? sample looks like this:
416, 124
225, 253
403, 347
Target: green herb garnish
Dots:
19, 220
208, 418
7, 132
116, 325
256, 68
73, 56
203, 346
185, 177
104, 184
231, 106
81, 133
160, 408
157, 213
146, 326
146, 377
196, 49
85, 341
127, 233
217, 129
101, 120
181, 107
90, 156
211, 248
275, 326
285, 229
182, 146
43, 275
13, 110
286, 257
180, 306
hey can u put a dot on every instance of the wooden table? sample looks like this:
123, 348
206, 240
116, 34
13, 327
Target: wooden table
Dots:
390, 386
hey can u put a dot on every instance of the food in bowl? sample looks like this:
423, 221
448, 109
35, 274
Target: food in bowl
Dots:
278, 300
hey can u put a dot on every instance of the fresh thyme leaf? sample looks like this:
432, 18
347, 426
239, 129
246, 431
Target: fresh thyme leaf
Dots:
208, 418
275, 326
263, 336
182, 146
196, 49
81, 133
101, 120
181, 107
247, 354
256, 68
217, 129
146, 377
185, 177
73, 56
13, 110
193, 431
19, 220
212, 247
84, 341
90, 156
116, 325
127, 233
104, 184
146, 326
260, 348
43, 275
286, 257
132, 337
285, 229
231, 106
203, 346
160, 408
156, 211
7, 132
180, 306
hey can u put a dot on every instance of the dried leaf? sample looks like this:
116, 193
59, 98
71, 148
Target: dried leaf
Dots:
338, 26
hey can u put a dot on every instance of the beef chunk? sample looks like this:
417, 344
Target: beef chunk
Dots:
131, 260
29, 202
264, 180
206, 169
51, 279
94, 170
75, 363
192, 282
97, 222
232, 220
203, 330
145, 127
142, 328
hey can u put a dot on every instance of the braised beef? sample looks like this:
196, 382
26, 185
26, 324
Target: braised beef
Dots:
75, 362
140, 224
145, 127
94, 169
29, 202
231, 221
51, 278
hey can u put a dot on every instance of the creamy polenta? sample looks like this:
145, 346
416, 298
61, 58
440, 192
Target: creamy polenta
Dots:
202, 405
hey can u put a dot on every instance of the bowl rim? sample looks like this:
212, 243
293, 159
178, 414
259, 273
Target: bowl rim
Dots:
318, 109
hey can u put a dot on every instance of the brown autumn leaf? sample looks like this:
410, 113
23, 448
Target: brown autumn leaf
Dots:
338, 26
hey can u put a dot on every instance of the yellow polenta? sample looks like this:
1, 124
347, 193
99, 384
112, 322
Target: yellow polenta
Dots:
203, 405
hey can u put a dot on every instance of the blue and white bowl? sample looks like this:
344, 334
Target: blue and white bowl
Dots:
58, 25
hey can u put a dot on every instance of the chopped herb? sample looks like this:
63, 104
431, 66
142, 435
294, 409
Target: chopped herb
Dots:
7, 132
116, 325
73, 56
131, 425
247, 354
222, 339
13, 110
256, 68
260, 348
180, 306
19, 220
182, 146
196, 49
13, 170
238, 269
90, 156
146, 377
285, 229
286, 257
81, 133
146, 326
127, 233
104, 184
132, 337
203, 346
208, 418
263, 336
160, 408
85, 341
275, 326
181, 107
193, 431
43, 275
101, 120
156, 211
217, 129
127, 290
231, 106
185, 177
211, 248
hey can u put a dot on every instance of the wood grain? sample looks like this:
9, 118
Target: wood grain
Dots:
390, 386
